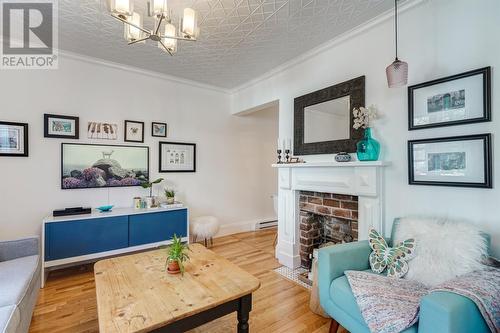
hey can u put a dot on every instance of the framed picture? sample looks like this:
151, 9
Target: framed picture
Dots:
55, 126
93, 166
453, 161
177, 157
159, 129
134, 131
105, 131
455, 100
13, 139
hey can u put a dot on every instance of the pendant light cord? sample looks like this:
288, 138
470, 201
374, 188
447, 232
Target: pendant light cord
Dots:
396, 25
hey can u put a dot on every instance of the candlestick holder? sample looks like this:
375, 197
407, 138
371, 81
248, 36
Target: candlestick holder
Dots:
287, 155
279, 156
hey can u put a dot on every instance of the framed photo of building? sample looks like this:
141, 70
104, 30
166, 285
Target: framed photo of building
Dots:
463, 161
455, 100
56, 126
159, 129
134, 131
177, 157
13, 139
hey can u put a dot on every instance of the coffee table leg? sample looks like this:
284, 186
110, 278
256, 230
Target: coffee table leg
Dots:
244, 308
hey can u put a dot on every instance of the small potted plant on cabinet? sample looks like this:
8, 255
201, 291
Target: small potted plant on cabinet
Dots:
170, 194
150, 201
176, 256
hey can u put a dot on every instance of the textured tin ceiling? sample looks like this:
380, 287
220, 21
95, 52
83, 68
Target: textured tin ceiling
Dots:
240, 39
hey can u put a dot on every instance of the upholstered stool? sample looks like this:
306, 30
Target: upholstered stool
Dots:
204, 227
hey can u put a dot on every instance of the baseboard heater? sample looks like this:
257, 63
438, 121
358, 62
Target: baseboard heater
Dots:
266, 225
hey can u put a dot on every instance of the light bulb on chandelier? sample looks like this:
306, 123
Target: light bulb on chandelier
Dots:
168, 37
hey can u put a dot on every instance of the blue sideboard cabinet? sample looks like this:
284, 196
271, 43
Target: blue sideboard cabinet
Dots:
79, 238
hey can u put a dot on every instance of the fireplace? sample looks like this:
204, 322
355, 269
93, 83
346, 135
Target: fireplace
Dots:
326, 200
325, 218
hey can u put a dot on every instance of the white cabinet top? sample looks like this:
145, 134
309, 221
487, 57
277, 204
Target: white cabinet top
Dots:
96, 214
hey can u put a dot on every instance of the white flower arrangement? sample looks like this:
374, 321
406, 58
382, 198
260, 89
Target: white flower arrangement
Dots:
364, 116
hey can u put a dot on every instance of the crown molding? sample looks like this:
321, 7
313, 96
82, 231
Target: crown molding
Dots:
330, 44
136, 70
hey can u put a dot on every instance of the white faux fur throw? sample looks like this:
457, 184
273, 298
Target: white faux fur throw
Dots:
444, 248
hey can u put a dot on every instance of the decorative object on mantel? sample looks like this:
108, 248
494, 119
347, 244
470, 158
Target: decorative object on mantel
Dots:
463, 98
368, 149
92, 166
166, 36
13, 139
343, 157
134, 131
56, 126
279, 150
106, 131
294, 160
397, 72
463, 161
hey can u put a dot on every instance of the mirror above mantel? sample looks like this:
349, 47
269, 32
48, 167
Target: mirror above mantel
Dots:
323, 120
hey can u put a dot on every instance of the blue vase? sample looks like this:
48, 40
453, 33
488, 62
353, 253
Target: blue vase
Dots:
368, 149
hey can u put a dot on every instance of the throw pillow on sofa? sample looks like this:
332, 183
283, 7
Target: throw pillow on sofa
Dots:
393, 258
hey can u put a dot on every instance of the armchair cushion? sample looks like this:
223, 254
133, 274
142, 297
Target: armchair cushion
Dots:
18, 248
15, 278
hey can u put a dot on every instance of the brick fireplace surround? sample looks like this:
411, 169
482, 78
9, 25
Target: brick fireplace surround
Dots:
325, 217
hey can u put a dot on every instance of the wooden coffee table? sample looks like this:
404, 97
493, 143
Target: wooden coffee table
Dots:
136, 294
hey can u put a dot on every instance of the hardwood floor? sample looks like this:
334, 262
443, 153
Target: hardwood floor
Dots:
68, 301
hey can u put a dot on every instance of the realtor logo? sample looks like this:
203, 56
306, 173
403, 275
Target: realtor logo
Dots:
29, 36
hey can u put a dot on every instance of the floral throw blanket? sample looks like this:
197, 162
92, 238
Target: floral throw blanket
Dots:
391, 305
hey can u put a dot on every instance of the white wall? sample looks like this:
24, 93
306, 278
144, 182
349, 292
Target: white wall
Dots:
228, 180
437, 38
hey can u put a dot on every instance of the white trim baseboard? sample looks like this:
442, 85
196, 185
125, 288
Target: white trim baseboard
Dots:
243, 226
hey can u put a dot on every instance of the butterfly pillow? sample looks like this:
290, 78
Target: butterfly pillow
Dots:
393, 258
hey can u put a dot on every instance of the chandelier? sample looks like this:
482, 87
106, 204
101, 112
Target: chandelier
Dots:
164, 32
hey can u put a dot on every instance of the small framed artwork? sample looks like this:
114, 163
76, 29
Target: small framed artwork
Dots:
159, 129
56, 126
463, 161
134, 131
454, 100
177, 157
13, 139
105, 131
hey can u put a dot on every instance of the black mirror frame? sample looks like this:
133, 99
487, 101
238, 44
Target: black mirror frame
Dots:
354, 88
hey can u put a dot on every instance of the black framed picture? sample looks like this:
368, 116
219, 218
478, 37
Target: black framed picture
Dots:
134, 131
13, 139
177, 157
159, 129
454, 100
58, 126
94, 166
463, 161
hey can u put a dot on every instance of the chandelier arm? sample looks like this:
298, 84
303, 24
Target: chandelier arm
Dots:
165, 47
178, 38
157, 30
132, 24
138, 40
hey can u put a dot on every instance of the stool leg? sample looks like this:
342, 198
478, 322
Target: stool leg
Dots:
205, 241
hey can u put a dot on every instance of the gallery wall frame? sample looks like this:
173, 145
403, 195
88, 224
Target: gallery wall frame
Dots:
133, 131
60, 126
159, 129
127, 175
14, 139
461, 161
177, 157
459, 99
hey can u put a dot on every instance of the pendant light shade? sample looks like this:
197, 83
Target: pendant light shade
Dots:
397, 72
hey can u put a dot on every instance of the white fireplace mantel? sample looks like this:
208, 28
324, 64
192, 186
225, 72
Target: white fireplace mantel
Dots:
363, 179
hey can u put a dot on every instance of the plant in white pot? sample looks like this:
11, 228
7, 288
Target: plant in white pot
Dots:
170, 194
150, 200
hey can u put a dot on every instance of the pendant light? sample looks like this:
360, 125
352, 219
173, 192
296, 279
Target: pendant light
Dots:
397, 72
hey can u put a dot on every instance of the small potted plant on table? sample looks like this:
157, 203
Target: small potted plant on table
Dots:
176, 256
170, 194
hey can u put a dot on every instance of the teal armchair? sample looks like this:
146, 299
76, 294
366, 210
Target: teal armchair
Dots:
440, 312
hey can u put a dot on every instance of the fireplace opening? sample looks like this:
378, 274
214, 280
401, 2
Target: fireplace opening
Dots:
325, 219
